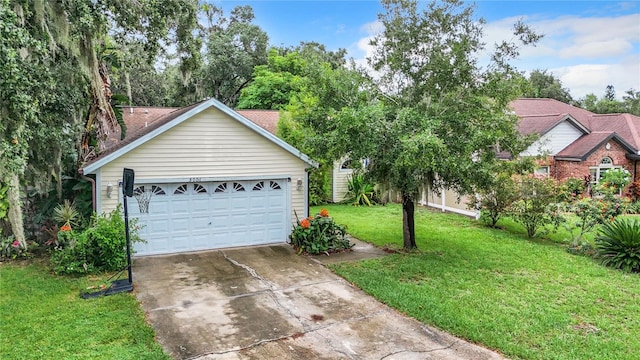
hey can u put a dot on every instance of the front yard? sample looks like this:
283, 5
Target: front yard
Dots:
43, 317
528, 299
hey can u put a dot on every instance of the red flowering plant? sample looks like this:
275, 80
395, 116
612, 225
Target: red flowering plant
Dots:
10, 248
67, 215
319, 234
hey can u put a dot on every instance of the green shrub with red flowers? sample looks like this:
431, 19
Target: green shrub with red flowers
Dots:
100, 247
319, 234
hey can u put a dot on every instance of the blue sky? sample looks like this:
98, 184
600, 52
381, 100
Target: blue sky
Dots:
587, 44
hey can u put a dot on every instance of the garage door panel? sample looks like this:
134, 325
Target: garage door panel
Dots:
213, 215
199, 204
179, 205
199, 223
220, 202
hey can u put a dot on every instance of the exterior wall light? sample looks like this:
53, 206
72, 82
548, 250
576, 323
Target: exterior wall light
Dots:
299, 184
109, 190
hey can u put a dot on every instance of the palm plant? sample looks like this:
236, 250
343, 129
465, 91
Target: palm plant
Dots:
360, 192
66, 214
618, 244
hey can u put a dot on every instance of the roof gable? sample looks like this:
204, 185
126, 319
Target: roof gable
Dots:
175, 117
580, 149
542, 115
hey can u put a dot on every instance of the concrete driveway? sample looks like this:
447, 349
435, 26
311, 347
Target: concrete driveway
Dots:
268, 303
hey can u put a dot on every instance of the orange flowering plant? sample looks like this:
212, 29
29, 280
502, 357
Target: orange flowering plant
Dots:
319, 234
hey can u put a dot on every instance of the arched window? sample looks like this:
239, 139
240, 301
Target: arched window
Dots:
346, 165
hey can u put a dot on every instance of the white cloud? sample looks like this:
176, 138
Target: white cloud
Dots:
586, 53
584, 79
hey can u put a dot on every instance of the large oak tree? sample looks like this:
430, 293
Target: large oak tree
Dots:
55, 81
440, 116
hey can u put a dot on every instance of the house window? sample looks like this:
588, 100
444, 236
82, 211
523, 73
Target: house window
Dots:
346, 165
597, 172
542, 170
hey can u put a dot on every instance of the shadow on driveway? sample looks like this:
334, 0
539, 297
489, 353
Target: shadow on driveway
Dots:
268, 303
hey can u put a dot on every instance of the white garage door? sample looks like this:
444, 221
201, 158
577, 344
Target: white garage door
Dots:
197, 216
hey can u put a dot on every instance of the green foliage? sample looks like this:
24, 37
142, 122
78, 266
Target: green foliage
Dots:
618, 244
100, 247
407, 123
4, 202
234, 46
320, 184
537, 205
66, 214
608, 104
296, 134
469, 278
44, 318
546, 85
10, 248
588, 213
494, 201
274, 83
613, 181
319, 234
359, 190
634, 207
573, 188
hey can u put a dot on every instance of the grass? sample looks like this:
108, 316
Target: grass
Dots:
528, 299
43, 317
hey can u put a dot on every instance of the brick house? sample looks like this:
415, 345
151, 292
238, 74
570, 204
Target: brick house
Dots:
578, 143
574, 143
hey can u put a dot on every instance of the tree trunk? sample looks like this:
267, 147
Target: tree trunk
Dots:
15, 209
408, 222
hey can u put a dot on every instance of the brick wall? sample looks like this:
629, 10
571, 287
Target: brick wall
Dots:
567, 169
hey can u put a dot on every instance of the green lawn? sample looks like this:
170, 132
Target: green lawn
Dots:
528, 299
43, 317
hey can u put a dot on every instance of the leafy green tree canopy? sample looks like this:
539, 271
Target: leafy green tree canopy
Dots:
439, 117
609, 105
546, 85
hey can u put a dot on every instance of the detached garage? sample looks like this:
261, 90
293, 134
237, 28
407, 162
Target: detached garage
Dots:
205, 178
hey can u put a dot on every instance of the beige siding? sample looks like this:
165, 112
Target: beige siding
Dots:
447, 200
208, 145
340, 181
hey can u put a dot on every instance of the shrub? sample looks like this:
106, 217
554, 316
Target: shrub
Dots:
100, 247
494, 201
573, 188
634, 191
613, 181
589, 213
66, 214
319, 234
537, 205
10, 248
360, 191
618, 244
634, 207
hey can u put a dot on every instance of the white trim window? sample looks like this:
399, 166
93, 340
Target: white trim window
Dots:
542, 170
597, 172
346, 165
